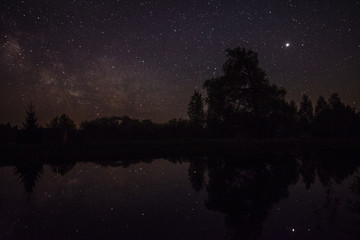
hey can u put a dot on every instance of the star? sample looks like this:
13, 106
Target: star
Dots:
110, 53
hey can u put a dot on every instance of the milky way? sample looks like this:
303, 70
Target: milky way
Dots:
145, 58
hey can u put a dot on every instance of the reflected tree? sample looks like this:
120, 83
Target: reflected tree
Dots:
354, 205
308, 170
28, 175
332, 169
246, 190
62, 167
355, 185
196, 172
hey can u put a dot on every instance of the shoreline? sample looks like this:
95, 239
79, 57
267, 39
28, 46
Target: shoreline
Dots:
112, 151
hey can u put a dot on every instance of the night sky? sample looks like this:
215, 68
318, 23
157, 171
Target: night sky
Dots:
144, 59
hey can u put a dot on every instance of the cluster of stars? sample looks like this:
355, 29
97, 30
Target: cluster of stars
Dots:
102, 58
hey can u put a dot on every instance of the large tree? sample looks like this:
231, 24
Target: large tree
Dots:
243, 92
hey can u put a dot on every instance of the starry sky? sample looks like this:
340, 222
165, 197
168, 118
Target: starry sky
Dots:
144, 59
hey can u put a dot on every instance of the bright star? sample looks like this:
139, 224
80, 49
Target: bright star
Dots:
287, 44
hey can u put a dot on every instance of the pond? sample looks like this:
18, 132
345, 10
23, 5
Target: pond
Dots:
224, 196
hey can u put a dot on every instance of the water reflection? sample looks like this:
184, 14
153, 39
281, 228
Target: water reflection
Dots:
246, 188
196, 172
243, 188
355, 188
28, 174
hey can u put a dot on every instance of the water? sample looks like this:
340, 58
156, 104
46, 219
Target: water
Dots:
252, 196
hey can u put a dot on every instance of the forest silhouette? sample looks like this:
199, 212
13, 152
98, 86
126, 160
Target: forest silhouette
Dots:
241, 103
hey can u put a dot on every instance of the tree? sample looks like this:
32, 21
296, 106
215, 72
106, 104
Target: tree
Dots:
335, 119
306, 109
335, 102
248, 86
30, 133
109, 123
243, 95
321, 106
322, 119
29, 173
283, 121
342, 119
31, 119
62, 122
196, 110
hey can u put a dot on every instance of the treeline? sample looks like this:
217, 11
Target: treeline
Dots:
62, 129
126, 128
240, 103
329, 118
243, 103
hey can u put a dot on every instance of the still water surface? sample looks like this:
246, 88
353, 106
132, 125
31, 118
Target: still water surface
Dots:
249, 197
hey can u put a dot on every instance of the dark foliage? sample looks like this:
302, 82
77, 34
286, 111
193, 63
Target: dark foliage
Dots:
30, 132
243, 102
196, 111
8, 133
126, 128
61, 127
306, 114
240, 103
62, 122
29, 174
335, 119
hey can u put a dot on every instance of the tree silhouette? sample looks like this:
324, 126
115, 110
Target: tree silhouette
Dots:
291, 118
321, 106
342, 119
305, 114
31, 119
306, 109
29, 174
104, 123
196, 172
196, 110
62, 122
335, 119
62, 167
322, 118
63, 125
30, 133
245, 191
242, 97
335, 102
